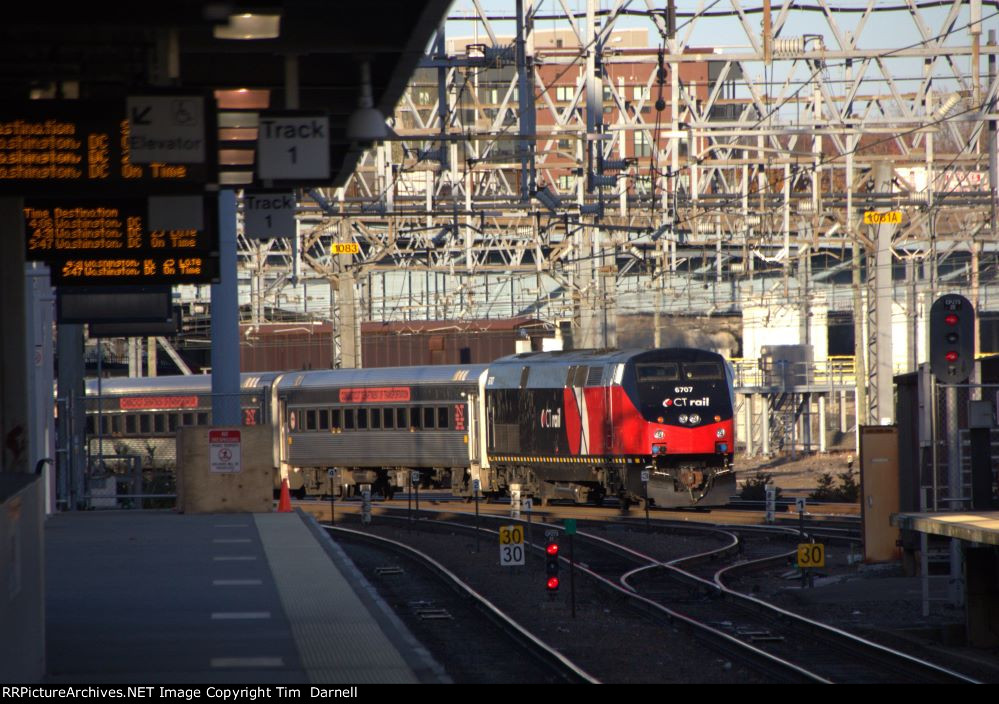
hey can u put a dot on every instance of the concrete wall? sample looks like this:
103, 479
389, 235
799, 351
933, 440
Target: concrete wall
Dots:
22, 579
200, 490
778, 324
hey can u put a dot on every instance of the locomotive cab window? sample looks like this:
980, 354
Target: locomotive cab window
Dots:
658, 371
702, 370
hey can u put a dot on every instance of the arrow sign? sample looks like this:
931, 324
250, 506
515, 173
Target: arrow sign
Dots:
166, 129
141, 117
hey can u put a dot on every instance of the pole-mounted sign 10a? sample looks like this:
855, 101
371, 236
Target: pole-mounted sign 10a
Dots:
952, 339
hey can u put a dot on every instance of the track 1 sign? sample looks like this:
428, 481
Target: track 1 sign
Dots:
293, 147
224, 451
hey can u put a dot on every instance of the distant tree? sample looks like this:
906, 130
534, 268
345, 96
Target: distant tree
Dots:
848, 490
755, 487
826, 489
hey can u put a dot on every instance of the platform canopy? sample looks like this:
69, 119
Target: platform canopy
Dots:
108, 50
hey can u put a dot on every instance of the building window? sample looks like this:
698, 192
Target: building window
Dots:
564, 94
643, 145
640, 92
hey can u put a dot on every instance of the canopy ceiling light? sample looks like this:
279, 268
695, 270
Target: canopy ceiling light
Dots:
366, 124
247, 25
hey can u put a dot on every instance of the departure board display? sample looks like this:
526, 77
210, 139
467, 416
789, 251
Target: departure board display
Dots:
109, 240
82, 147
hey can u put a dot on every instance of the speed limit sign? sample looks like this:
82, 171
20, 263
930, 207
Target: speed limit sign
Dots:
511, 540
811, 555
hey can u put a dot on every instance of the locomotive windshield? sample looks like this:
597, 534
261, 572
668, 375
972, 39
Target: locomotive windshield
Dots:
671, 371
702, 370
665, 371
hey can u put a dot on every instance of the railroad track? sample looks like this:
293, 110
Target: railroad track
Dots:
689, 590
480, 632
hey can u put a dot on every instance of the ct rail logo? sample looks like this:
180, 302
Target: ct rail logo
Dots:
551, 419
684, 402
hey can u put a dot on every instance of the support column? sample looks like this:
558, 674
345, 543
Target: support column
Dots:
14, 429
879, 303
765, 425
72, 451
225, 320
41, 429
842, 412
151, 352
822, 423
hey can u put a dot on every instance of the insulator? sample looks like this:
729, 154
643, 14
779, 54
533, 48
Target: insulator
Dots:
948, 105
593, 209
599, 180
784, 46
615, 164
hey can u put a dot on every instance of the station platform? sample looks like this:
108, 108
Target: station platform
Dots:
978, 532
143, 597
978, 527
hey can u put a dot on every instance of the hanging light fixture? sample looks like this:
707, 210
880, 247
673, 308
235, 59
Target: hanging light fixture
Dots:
366, 124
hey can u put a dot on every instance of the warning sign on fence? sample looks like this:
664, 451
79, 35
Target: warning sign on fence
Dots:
224, 451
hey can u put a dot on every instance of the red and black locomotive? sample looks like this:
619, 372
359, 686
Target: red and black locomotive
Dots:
599, 422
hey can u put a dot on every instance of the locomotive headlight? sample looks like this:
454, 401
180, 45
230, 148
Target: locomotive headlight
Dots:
694, 419
720, 433
683, 418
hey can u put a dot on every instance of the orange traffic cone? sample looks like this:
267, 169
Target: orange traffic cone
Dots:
284, 504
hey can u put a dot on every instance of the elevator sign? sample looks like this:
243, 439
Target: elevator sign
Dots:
224, 451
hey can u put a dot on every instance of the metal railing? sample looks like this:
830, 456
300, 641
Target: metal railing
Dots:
830, 372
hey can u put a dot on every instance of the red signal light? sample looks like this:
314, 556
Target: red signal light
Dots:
552, 549
951, 319
552, 584
951, 356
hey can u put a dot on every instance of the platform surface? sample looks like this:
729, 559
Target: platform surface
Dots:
975, 527
159, 597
